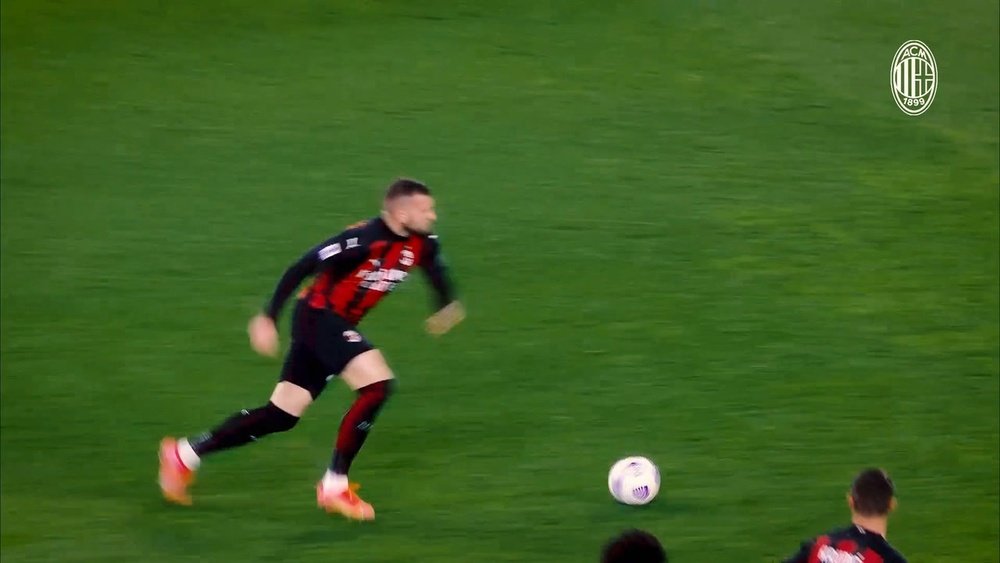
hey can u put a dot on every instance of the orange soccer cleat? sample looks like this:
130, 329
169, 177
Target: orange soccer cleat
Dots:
175, 477
346, 502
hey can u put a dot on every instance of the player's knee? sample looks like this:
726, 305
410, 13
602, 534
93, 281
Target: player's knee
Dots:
279, 420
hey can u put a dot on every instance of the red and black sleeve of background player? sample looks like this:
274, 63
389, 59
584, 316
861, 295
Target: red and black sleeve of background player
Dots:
436, 270
840, 540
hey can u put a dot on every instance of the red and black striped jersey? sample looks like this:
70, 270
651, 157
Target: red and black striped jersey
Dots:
852, 544
357, 268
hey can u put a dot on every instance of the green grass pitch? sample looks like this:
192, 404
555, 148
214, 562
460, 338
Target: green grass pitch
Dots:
697, 230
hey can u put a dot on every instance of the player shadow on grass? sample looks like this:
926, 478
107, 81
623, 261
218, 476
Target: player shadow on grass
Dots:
676, 506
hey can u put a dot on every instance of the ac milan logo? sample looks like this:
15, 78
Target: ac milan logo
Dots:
914, 77
406, 258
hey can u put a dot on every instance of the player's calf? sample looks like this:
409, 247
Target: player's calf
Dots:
239, 429
334, 493
179, 459
356, 424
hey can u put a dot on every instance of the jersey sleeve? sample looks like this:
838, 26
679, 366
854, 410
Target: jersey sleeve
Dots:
348, 246
437, 273
802, 555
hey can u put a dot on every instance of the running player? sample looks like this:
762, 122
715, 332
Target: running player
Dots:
353, 272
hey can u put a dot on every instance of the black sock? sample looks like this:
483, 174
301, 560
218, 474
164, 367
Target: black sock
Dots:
244, 427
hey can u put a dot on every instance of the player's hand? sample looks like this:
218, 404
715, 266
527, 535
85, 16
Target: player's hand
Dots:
445, 319
263, 335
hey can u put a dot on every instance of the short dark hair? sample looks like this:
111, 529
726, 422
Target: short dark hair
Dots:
405, 187
634, 546
872, 492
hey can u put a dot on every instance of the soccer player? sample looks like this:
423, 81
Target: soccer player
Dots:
634, 546
353, 272
871, 499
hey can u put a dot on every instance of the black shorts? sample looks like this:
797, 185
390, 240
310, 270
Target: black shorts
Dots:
323, 343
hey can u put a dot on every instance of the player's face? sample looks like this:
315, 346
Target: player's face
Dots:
420, 214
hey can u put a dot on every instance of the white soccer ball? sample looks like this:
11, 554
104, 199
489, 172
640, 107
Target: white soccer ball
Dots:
634, 480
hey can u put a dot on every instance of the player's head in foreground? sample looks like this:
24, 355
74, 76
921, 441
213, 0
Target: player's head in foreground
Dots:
634, 546
408, 207
871, 498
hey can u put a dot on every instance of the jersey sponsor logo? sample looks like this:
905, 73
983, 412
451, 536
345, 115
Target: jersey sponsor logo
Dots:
382, 279
828, 554
329, 251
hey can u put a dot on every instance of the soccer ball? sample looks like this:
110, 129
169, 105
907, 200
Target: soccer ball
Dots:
634, 480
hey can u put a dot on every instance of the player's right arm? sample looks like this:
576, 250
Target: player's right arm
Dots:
347, 246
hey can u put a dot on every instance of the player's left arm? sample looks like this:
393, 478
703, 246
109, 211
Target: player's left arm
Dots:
449, 311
